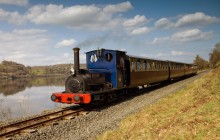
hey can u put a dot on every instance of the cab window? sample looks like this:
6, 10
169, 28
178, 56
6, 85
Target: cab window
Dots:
93, 58
108, 57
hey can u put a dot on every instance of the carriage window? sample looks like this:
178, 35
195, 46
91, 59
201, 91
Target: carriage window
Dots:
138, 66
133, 66
158, 65
93, 58
153, 66
108, 57
148, 66
143, 67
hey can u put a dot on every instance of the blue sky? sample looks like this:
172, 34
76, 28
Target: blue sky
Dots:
40, 32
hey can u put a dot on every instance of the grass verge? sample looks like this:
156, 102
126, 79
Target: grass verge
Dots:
192, 113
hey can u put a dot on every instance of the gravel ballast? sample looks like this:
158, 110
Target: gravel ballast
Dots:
97, 122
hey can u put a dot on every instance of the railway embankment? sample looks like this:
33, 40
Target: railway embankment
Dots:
191, 113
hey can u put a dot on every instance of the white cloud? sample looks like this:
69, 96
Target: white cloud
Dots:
89, 17
197, 18
135, 26
23, 45
164, 23
155, 56
191, 35
32, 47
178, 53
15, 2
174, 55
184, 36
12, 17
66, 54
117, 8
22, 36
158, 40
136, 21
139, 31
29, 31
159, 55
82, 57
66, 43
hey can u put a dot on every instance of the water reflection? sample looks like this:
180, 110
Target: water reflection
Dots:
22, 97
10, 87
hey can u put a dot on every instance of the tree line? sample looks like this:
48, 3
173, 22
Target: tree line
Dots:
214, 59
10, 69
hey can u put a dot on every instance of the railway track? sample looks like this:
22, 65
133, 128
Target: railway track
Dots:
31, 125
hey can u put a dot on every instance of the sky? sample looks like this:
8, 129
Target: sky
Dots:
44, 32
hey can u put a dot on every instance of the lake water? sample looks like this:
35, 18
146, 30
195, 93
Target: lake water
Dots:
24, 97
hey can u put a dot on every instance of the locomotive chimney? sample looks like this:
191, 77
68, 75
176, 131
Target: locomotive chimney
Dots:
76, 60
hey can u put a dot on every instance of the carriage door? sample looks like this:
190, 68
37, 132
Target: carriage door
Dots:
121, 69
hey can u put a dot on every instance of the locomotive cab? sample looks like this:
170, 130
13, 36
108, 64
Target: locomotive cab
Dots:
110, 63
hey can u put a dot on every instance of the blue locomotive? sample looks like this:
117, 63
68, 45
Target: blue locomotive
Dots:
112, 73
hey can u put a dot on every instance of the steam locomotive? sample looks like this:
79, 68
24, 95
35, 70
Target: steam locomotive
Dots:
110, 74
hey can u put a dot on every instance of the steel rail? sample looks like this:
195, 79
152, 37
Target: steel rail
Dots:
42, 122
33, 119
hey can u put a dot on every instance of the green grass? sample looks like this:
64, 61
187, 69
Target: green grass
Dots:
192, 113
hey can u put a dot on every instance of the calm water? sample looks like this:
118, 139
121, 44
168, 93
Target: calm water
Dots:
24, 97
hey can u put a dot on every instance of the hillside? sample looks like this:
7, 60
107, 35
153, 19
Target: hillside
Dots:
59, 69
13, 69
192, 113
9, 69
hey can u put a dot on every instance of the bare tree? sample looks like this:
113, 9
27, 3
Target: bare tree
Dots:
201, 63
214, 58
